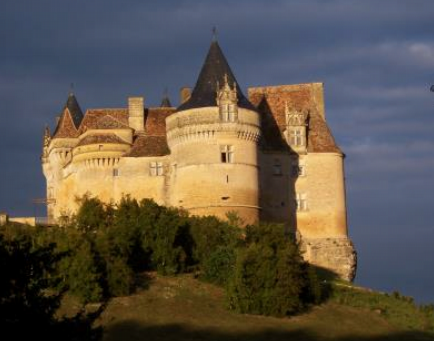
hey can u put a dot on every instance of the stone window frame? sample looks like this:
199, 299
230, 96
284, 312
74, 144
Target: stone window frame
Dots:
298, 169
227, 153
301, 202
228, 112
156, 168
297, 137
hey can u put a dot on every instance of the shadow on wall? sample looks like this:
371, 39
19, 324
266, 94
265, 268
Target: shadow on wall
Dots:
133, 331
280, 205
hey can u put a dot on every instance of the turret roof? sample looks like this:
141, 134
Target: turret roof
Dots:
165, 102
213, 72
74, 109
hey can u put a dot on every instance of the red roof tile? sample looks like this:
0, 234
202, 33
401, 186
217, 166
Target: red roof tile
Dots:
101, 138
65, 128
156, 120
270, 102
145, 145
104, 119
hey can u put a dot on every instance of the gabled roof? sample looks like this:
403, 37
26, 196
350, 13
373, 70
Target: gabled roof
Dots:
65, 127
156, 120
271, 102
70, 119
145, 145
104, 119
154, 141
101, 138
213, 71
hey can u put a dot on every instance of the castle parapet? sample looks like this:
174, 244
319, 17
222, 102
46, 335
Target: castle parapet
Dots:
205, 123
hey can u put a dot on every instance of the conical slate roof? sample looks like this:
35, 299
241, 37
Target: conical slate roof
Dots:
165, 102
213, 70
74, 109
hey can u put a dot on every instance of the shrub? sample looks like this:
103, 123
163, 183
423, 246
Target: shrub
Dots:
24, 281
84, 278
214, 247
219, 266
270, 276
92, 214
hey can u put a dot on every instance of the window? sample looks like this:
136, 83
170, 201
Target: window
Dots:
156, 169
298, 169
224, 112
301, 201
228, 112
100, 147
115, 172
296, 137
227, 154
277, 168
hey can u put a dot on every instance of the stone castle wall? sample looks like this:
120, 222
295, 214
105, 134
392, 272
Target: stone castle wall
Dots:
258, 183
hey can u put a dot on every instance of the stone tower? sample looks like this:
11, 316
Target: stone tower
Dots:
213, 140
57, 150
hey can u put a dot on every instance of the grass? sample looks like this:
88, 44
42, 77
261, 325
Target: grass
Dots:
183, 308
398, 310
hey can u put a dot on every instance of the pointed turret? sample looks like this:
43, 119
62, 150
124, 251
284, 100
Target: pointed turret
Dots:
165, 102
215, 71
70, 119
74, 109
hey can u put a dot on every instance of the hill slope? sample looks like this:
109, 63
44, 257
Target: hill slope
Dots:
182, 308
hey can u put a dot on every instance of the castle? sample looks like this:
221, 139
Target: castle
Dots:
269, 156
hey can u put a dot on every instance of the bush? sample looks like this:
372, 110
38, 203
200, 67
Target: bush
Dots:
219, 266
84, 278
214, 247
28, 302
168, 240
270, 276
92, 214
24, 281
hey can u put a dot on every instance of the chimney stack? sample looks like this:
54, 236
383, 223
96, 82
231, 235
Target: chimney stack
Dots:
136, 113
185, 94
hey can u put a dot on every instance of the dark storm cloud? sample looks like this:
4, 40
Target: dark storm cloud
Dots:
375, 57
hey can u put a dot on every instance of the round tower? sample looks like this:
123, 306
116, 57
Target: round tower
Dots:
57, 152
213, 139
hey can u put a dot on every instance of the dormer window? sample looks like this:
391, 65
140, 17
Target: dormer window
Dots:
227, 101
297, 137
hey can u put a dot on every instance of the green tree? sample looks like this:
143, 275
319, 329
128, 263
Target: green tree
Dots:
270, 276
92, 214
84, 277
214, 247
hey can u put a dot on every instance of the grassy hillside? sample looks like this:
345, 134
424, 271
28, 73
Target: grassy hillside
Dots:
183, 308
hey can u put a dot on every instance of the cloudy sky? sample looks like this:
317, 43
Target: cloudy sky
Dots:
376, 59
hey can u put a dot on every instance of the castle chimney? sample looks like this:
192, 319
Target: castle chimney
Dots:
185, 94
136, 113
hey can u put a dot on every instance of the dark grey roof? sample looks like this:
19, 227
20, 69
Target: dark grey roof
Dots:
165, 102
213, 71
74, 109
